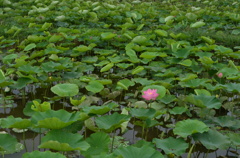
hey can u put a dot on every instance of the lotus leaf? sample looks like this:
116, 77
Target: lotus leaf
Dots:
188, 127
202, 92
233, 87
197, 24
144, 151
111, 122
204, 101
39, 154
9, 144
54, 119
227, 121
62, 141
22, 82
213, 140
234, 138
29, 69
133, 56
100, 110
193, 83
178, 110
65, 89
125, 83
11, 122
172, 145
108, 35
99, 143
142, 113
94, 86
30, 47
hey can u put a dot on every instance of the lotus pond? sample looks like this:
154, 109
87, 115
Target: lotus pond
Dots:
126, 79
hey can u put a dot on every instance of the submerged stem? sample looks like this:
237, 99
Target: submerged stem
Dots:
190, 151
113, 137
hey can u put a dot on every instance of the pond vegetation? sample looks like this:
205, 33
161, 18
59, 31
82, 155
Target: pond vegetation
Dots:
122, 79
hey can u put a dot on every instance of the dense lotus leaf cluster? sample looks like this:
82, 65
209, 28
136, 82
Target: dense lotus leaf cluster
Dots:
89, 73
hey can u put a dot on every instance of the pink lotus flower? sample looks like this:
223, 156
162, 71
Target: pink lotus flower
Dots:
150, 94
220, 75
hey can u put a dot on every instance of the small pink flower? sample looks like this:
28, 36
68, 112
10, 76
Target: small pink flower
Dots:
220, 75
150, 94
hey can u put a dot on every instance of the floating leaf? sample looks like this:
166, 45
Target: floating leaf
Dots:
125, 83
81, 48
144, 151
137, 70
11, 122
107, 35
107, 67
142, 113
99, 143
227, 121
178, 110
204, 101
186, 62
139, 39
111, 122
65, 89
161, 33
39, 154
94, 86
188, 127
172, 145
30, 47
202, 92
197, 24
9, 144
54, 119
61, 141
213, 140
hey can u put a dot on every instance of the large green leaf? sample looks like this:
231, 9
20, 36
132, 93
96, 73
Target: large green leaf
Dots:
188, 127
171, 145
65, 89
111, 122
54, 119
213, 140
63, 141
30, 47
39, 154
12, 122
99, 143
144, 151
142, 113
204, 101
94, 86
9, 144
125, 83
227, 121
107, 35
